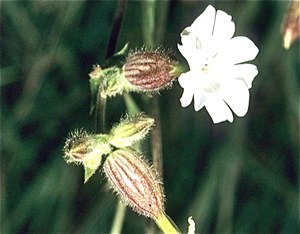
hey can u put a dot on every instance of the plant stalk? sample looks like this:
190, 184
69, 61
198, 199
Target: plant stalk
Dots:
166, 224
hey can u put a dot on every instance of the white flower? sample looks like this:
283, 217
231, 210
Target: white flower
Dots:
216, 80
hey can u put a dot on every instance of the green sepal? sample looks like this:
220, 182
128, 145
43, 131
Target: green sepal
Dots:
91, 165
88, 172
118, 58
93, 161
130, 130
122, 51
105, 83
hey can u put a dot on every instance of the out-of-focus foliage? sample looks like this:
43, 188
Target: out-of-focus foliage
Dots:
232, 178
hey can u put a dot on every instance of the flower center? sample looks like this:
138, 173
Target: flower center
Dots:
211, 85
205, 68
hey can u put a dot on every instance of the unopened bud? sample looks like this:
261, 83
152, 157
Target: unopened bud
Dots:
136, 182
149, 70
78, 146
291, 28
106, 82
86, 149
130, 130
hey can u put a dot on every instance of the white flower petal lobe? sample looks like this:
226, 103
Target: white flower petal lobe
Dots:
217, 79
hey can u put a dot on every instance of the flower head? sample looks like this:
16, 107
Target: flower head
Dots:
216, 78
130, 130
136, 182
86, 149
149, 70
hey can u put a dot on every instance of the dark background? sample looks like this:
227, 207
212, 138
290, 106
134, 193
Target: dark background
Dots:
232, 178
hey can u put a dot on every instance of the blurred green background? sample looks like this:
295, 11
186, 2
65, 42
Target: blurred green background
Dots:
232, 178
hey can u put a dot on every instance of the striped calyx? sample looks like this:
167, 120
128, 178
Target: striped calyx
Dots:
81, 147
78, 146
136, 182
130, 130
149, 70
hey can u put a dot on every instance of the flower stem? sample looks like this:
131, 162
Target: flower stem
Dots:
165, 223
156, 143
101, 111
118, 219
131, 105
148, 24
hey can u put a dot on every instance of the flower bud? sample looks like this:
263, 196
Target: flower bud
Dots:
106, 82
149, 70
130, 130
77, 146
136, 182
291, 28
86, 149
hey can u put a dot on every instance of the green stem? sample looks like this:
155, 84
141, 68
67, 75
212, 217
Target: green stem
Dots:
156, 142
131, 105
148, 10
118, 219
165, 223
101, 111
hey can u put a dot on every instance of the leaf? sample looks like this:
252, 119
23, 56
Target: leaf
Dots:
88, 173
123, 50
91, 164
118, 58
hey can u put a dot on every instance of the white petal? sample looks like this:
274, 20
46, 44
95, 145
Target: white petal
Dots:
205, 22
247, 72
223, 31
224, 26
218, 110
198, 35
186, 97
237, 97
188, 37
199, 100
237, 50
185, 79
194, 57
